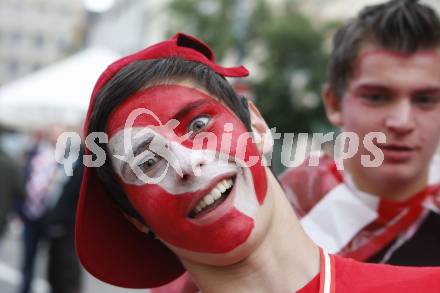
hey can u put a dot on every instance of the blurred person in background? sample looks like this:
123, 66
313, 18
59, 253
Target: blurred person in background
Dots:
383, 76
48, 215
64, 270
11, 188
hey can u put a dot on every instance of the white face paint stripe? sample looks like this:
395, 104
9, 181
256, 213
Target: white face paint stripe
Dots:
180, 157
188, 160
246, 201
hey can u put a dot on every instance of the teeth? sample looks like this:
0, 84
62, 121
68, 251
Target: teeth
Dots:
214, 195
217, 193
221, 187
209, 199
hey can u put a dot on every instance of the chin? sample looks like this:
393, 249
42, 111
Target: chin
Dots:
397, 173
220, 260
259, 232
232, 257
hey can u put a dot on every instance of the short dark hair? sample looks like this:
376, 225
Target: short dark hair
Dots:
140, 74
400, 25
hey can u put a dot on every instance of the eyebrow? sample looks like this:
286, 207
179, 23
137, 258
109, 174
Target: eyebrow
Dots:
427, 91
138, 149
189, 107
378, 87
372, 87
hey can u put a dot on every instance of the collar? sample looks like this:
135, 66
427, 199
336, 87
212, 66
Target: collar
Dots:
327, 272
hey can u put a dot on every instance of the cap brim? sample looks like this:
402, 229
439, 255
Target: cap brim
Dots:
112, 249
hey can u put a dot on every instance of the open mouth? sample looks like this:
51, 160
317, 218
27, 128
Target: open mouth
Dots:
214, 198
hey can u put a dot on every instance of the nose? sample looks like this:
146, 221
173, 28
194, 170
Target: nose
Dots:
189, 162
194, 167
400, 119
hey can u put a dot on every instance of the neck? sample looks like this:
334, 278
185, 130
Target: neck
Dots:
397, 190
285, 261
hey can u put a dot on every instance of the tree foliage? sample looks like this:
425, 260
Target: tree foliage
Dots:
284, 44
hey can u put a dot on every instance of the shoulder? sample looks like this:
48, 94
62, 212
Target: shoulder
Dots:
366, 277
308, 183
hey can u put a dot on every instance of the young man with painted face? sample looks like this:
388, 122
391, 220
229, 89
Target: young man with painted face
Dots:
184, 188
384, 76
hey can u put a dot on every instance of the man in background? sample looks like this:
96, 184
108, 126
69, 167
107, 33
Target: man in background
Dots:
383, 76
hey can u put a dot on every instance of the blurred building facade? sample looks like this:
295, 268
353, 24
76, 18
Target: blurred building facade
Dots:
129, 25
34, 33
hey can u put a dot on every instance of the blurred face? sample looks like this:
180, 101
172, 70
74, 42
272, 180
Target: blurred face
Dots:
398, 95
184, 178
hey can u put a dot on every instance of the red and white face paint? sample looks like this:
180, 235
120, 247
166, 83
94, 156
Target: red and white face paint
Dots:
189, 196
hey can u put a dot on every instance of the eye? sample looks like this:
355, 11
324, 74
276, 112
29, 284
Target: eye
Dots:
426, 101
375, 98
149, 163
199, 123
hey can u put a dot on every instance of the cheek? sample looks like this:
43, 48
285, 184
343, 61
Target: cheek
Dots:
429, 129
154, 203
165, 214
429, 138
238, 144
361, 121
358, 118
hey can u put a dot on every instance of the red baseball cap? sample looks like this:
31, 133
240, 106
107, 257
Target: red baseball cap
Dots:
108, 246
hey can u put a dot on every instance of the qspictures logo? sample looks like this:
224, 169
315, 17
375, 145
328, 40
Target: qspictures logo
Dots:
140, 148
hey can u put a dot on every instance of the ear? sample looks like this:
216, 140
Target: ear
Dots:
140, 226
332, 106
262, 134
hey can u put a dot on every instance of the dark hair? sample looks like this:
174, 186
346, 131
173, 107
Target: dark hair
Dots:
399, 25
140, 74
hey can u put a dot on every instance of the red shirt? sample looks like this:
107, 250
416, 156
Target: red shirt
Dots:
356, 277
